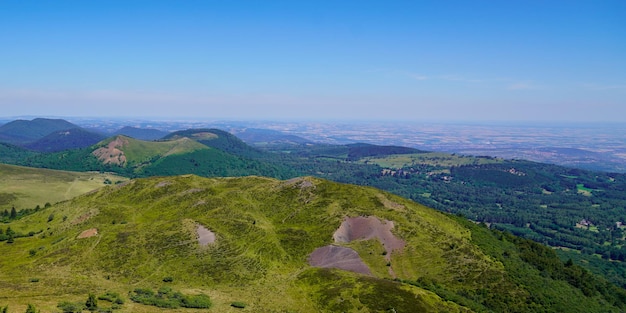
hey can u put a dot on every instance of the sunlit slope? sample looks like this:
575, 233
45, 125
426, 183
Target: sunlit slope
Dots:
25, 187
146, 230
138, 158
130, 152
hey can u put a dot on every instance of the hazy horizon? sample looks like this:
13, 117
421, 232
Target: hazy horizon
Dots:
453, 61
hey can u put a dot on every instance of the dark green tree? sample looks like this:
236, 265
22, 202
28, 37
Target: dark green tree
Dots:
13, 213
92, 302
31, 309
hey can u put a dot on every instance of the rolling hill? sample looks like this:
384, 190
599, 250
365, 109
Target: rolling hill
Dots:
219, 139
65, 140
138, 158
20, 132
301, 245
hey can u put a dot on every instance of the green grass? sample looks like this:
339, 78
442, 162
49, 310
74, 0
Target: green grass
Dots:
265, 230
430, 158
140, 151
25, 188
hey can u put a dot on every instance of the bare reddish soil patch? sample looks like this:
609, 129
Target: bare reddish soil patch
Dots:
205, 236
338, 257
88, 233
365, 228
111, 153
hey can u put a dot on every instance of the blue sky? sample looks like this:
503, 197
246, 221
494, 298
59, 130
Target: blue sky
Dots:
373, 60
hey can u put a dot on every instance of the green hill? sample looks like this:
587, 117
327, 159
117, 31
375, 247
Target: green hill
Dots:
22, 131
137, 158
250, 242
219, 139
65, 139
13, 154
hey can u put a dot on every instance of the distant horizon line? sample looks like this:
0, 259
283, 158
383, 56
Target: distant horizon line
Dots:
315, 120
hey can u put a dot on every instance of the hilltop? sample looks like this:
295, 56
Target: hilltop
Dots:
271, 245
21, 132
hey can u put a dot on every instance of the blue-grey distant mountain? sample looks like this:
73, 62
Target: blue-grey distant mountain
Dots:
142, 133
65, 140
264, 137
21, 132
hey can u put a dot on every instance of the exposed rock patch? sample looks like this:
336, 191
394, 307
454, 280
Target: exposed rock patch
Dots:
205, 236
111, 153
338, 257
301, 182
88, 233
163, 184
365, 228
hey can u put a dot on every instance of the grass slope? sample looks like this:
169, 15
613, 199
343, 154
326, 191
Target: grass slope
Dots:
265, 230
24, 187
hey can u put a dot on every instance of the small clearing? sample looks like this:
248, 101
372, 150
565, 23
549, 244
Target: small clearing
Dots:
205, 236
88, 233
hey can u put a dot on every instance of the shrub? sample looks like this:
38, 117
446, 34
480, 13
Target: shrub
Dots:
238, 305
31, 309
168, 279
34, 280
168, 298
92, 303
69, 307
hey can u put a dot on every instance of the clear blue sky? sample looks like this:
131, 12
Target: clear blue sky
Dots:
434, 60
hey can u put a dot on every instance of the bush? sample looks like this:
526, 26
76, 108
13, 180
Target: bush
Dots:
31, 309
168, 279
168, 298
34, 280
238, 304
69, 307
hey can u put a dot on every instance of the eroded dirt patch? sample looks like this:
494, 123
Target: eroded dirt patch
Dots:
88, 233
365, 228
205, 236
338, 257
301, 182
111, 153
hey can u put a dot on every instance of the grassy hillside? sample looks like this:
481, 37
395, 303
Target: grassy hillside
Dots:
26, 188
137, 158
144, 235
